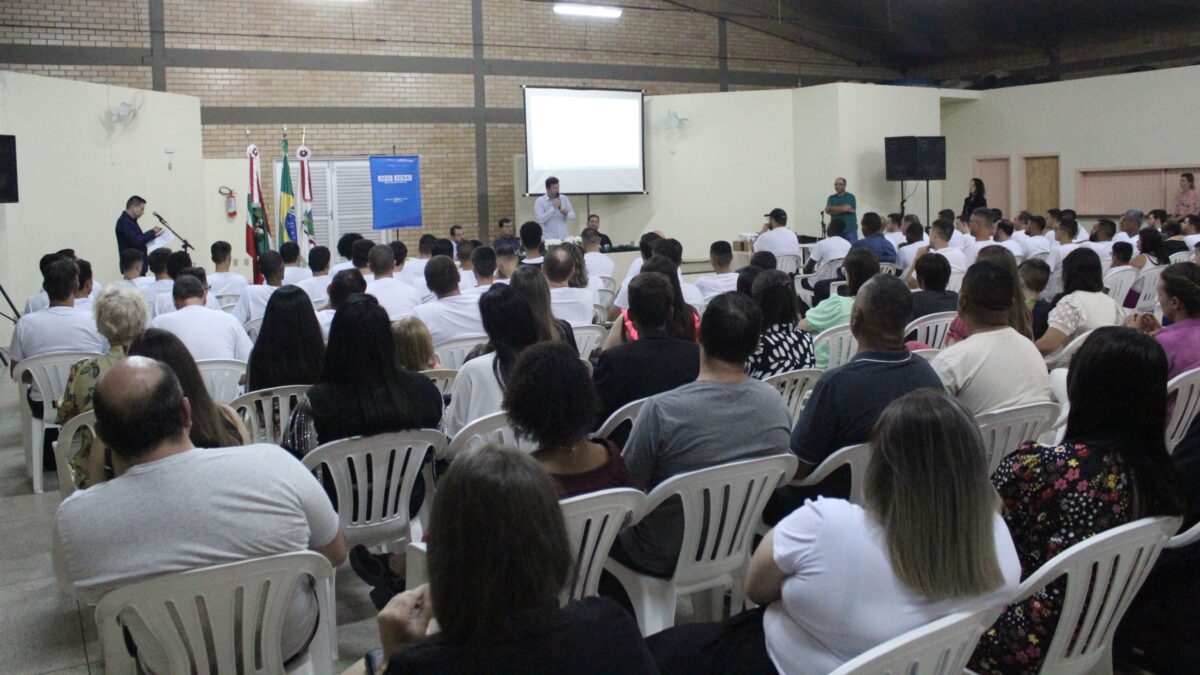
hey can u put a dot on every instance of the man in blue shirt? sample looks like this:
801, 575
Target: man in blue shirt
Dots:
129, 234
873, 239
508, 236
842, 206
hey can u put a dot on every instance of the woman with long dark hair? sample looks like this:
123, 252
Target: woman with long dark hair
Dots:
289, 348
1112, 468
684, 323
1152, 249
976, 198
783, 346
1082, 306
529, 281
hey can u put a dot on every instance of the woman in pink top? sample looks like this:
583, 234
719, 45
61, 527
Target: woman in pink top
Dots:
1187, 203
1179, 296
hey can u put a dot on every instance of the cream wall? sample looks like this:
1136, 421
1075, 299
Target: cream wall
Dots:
217, 225
75, 176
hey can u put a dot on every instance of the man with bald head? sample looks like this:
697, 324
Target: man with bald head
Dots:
174, 507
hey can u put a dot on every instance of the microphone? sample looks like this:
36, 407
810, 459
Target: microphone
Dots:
160, 218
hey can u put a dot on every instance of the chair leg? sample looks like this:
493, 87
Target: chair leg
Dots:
34, 464
737, 594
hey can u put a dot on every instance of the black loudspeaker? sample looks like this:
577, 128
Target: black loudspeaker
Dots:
915, 157
8, 169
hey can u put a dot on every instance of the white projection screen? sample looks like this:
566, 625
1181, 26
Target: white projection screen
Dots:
590, 139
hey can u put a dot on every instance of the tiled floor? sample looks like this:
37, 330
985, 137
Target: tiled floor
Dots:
44, 630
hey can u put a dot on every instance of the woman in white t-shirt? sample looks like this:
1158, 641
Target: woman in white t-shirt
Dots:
836, 579
1082, 306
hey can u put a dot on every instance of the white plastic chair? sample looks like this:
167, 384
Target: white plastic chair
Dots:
374, 507
1103, 574
608, 283
788, 264
1148, 289
1040, 256
1182, 256
1186, 389
825, 268
955, 282
942, 647
228, 299
795, 386
932, 329
1063, 358
842, 345
854, 456
253, 326
625, 414
222, 378
888, 268
66, 447
443, 379
266, 412
49, 373
926, 354
1006, 429
493, 428
223, 619
1185, 538
606, 296
1119, 282
452, 354
588, 338
721, 507
600, 315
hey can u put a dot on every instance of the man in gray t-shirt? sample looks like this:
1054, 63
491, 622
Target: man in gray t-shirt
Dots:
724, 416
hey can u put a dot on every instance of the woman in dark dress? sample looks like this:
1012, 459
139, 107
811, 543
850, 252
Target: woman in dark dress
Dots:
976, 198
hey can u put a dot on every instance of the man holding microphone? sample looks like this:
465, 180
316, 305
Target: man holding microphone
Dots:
129, 233
553, 210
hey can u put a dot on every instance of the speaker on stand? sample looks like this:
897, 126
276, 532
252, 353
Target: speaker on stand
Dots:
915, 158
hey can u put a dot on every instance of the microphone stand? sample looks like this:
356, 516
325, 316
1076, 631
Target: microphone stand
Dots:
15, 316
823, 235
167, 225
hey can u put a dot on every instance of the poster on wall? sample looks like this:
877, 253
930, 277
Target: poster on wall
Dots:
396, 192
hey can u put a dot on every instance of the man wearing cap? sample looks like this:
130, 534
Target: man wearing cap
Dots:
842, 206
776, 237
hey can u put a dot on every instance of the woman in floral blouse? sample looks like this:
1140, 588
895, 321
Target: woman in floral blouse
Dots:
1111, 469
783, 346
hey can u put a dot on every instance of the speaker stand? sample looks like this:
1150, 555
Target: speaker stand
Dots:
903, 199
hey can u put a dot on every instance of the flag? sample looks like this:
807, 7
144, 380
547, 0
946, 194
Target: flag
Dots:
286, 201
307, 240
257, 237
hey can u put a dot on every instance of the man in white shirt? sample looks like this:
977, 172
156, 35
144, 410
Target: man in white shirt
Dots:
1129, 226
914, 241
253, 303
1081, 235
222, 281
345, 249
598, 264
720, 256
776, 237
176, 508
832, 247
452, 315
207, 333
531, 242
982, 229
1191, 230
996, 367
646, 249
131, 269
317, 286
360, 255
414, 268
1005, 236
466, 268
1035, 241
1065, 236
939, 244
1102, 238
573, 305
960, 237
673, 251
294, 269
165, 302
894, 230
83, 294
507, 262
162, 280
483, 268
553, 210
342, 285
396, 297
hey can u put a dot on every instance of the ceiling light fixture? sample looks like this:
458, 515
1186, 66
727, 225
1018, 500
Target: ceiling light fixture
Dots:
590, 11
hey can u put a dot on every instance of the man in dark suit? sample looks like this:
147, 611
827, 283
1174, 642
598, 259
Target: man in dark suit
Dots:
655, 362
129, 233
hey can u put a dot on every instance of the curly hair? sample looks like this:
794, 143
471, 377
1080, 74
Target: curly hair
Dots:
120, 313
550, 398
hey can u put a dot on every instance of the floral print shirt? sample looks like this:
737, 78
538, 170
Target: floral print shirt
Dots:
77, 398
783, 347
1054, 498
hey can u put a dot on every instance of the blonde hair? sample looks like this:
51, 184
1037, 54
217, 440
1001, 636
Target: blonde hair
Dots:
927, 485
414, 344
120, 313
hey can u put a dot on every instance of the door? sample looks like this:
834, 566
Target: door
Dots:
1041, 184
993, 171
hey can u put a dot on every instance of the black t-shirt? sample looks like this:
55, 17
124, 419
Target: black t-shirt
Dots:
933, 302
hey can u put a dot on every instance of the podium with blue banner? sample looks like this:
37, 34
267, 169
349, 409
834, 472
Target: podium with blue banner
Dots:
396, 192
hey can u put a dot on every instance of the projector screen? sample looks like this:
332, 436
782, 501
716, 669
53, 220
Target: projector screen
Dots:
590, 139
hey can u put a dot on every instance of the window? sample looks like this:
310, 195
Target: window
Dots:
341, 198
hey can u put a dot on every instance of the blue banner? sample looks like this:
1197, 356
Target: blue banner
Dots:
396, 192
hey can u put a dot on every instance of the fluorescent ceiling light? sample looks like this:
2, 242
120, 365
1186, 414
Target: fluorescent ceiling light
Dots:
592, 11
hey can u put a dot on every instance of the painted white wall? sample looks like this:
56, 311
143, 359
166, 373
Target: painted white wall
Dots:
230, 173
74, 176
1119, 121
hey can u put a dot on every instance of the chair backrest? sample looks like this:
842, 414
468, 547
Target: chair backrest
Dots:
1186, 390
722, 505
68, 444
443, 378
266, 412
228, 299
588, 338
373, 507
932, 329
955, 282
1182, 256
942, 647
795, 385
854, 456
842, 345
1040, 256
606, 295
1119, 282
452, 354
1063, 358
50, 373
926, 354
599, 314
253, 326
626, 414
1006, 429
1103, 575
222, 378
1148, 278
222, 619
835, 288
608, 283
888, 267
789, 264
493, 428
593, 521
826, 268
1185, 538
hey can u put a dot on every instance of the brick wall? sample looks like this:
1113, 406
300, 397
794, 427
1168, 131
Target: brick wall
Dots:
135, 77
259, 88
103, 23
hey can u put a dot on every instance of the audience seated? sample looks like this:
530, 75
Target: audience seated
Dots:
684, 322
646, 249
531, 243
483, 268
1082, 306
316, 286
222, 281
413, 270
83, 294
694, 427
873, 239
397, 298
495, 510
181, 263
414, 347
452, 315
720, 256
579, 276
295, 270
120, 314
833, 247
342, 287
253, 302
573, 305
360, 257
1111, 468
983, 228
906, 252
933, 273
345, 249
207, 333
1035, 241
1122, 254
1019, 317
39, 301
531, 284
175, 507
289, 349
746, 277
860, 265
783, 347
131, 269
1035, 275
673, 251
598, 264
507, 262
775, 237
1004, 237
1179, 298
939, 244
1101, 240
764, 260
550, 401
996, 367
656, 361
835, 579
157, 262
1151, 249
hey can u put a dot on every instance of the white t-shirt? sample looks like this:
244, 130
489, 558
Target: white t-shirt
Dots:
826, 250
40, 300
1102, 249
717, 284
1079, 312
1191, 240
906, 255
1121, 236
961, 239
207, 333
165, 303
780, 241
993, 369
317, 288
598, 264
450, 318
195, 509
840, 595
896, 238
1060, 253
56, 329
466, 279
691, 294
954, 256
344, 265
226, 283
971, 251
573, 305
152, 290
293, 275
253, 302
1014, 247
413, 270
1031, 246
635, 267
325, 320
479, 289
396, 297
477, 392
